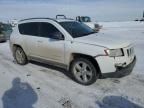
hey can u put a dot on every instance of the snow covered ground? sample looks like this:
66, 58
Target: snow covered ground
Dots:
41, 86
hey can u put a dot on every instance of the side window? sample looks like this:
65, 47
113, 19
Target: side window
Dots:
50, 31
31, 28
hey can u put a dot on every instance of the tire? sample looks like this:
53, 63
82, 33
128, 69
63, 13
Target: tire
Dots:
83, 71
20, 56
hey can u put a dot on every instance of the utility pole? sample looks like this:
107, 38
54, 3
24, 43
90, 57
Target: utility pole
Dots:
143, 14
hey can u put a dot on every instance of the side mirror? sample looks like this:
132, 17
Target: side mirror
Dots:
57, 36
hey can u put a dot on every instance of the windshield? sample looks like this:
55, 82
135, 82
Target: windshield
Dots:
85, 19
76, 29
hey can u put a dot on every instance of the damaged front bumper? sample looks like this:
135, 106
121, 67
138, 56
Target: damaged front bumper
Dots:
120, 70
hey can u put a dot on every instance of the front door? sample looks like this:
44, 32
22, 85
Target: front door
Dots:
50, 43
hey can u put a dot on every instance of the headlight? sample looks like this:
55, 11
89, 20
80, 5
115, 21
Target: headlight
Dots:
114, 52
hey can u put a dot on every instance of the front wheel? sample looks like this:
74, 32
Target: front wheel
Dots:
20, 56
83, 71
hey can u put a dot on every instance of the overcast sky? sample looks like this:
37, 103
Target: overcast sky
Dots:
99, 10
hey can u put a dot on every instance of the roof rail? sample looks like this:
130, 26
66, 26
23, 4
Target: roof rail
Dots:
36, 18
61, 16
43, 18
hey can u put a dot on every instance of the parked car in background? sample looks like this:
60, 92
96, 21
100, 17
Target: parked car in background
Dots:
7, 30
73, 46
87, 20
2, 36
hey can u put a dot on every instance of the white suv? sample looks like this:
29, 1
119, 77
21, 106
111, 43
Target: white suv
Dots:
72, 45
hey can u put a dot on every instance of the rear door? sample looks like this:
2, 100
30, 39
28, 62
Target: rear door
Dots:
30, 32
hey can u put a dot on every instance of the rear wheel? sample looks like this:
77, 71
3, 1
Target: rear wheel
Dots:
20, 56
83, 71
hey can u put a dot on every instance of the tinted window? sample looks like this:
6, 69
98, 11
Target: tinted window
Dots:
48, 30
31, 28
76, 29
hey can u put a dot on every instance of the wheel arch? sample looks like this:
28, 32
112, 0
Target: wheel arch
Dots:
14, 48
90, 58
17, 45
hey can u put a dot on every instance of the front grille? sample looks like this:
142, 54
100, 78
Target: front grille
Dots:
130, 51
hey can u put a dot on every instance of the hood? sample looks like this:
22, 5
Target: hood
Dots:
103, 40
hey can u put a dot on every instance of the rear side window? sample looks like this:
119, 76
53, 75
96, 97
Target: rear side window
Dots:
31, 28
